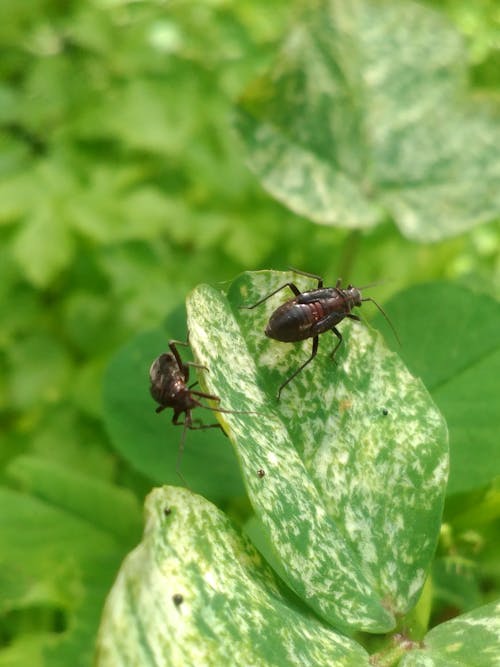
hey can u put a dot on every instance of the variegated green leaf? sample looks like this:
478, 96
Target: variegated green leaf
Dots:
351, 497
469, 640
455, 349
364, 114
194, 593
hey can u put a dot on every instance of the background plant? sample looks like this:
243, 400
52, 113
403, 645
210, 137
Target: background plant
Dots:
123, 186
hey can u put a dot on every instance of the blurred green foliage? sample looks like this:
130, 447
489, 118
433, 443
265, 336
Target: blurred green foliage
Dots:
123, 185
366, 114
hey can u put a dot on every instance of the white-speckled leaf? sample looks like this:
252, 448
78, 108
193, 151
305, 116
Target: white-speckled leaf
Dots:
471, 640
351, 497
365, 113
231, 610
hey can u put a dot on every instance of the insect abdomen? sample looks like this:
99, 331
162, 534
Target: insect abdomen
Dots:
294, 321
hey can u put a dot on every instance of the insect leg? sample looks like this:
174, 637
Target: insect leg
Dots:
173, 348
199, 425
313, 354
195, 365
292, 286
339, 336
175, 418
190, 423
180, 364
203, 395
183, 366
202, 426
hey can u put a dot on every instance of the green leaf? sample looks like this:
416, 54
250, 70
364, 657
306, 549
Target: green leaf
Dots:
61, 546
108, 508
351, 498
451, 339
113, 208
364, 114
455, 583
146, 116
40, 369
43, 246
64, 436
16, 193
471, 639
25, 651
148, 440
232, 610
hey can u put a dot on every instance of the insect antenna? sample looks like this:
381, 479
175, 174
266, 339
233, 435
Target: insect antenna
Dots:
368, 298
375, 284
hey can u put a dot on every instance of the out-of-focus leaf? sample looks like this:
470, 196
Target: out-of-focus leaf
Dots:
230, 608
479, 22
364, 114
40, 369
451, 339
43, 246
60, 548
86, 317
151, 118
19, 306
64, 436
27, 650
138, 274
455, 585
108, 508
351, 497
114, 208
13, 159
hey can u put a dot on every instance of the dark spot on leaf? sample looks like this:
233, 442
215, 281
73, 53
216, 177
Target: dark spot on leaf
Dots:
167, 511
385, 412
261, 473
177, 599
